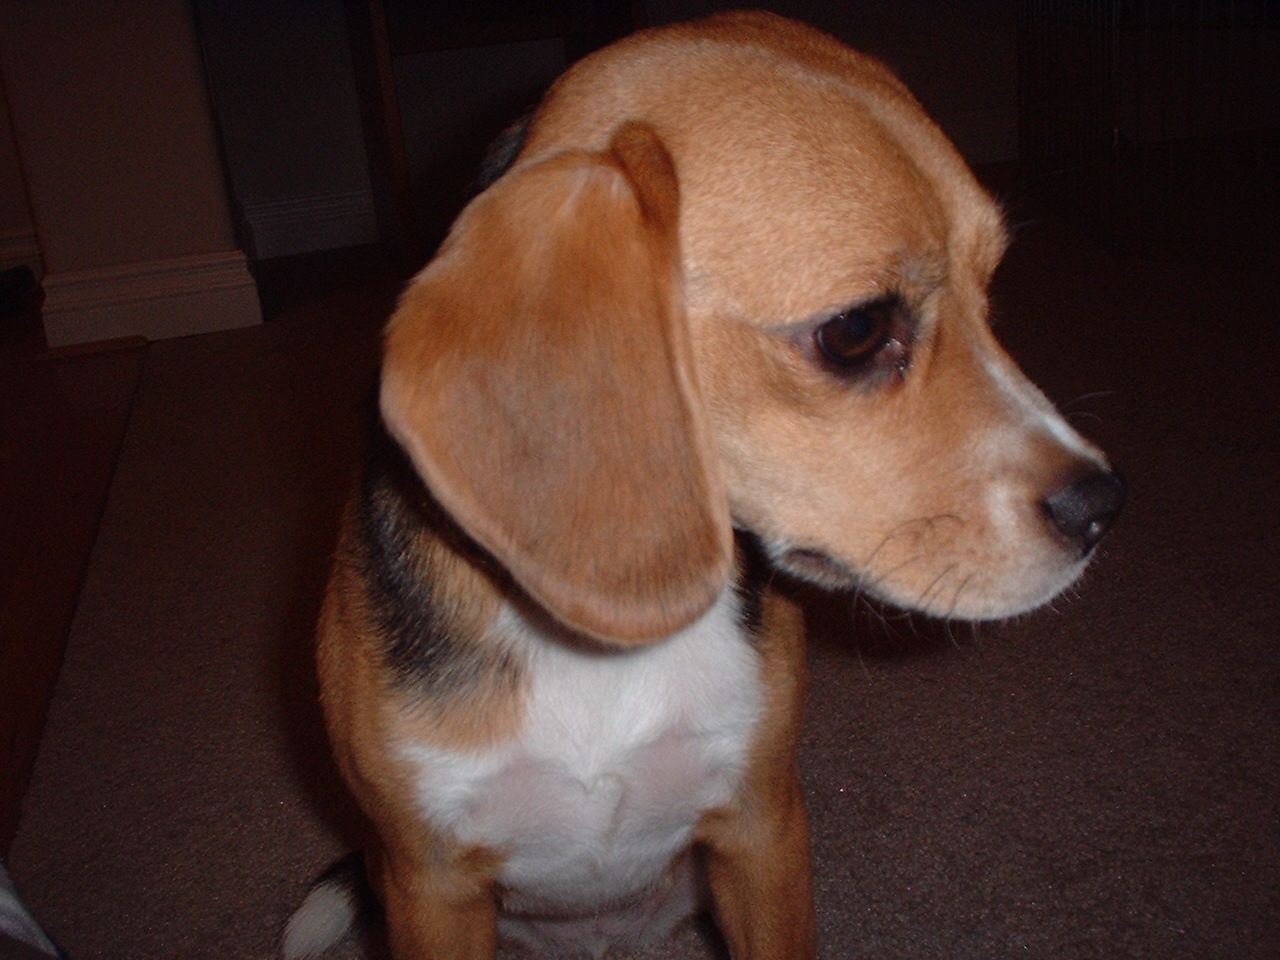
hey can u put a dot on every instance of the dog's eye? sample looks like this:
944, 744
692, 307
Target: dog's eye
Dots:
850, 337
851, 340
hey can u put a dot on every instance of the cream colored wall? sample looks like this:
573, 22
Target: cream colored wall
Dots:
111, 110
121, 165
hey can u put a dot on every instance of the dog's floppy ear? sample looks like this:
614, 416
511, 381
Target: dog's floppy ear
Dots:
539, 374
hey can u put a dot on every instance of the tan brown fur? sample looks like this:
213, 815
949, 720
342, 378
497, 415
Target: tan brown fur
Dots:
611, 365
363, 701
758, 847
581, 246
425, 882
912, 220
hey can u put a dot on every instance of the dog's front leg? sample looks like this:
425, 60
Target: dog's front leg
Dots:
757, 847
436, 909
759, 870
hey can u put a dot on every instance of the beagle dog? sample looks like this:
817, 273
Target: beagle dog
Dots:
723, 317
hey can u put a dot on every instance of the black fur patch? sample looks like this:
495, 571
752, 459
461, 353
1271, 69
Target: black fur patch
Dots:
395, 507
399, 523
503, 151
754, 573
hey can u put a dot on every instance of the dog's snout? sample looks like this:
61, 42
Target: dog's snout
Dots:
1084, 508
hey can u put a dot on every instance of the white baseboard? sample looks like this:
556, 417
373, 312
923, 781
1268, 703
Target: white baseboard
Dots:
156, 299
19, 249
281, 228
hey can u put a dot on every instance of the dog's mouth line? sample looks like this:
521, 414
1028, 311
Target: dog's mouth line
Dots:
818, 567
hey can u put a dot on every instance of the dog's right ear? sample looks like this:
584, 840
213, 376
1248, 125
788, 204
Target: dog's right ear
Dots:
539, 374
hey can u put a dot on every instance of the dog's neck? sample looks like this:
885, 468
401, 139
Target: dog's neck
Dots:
435, 593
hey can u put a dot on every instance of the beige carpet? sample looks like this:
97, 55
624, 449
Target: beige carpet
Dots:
1098, 780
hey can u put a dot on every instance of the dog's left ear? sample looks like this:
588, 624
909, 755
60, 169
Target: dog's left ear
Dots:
539, 373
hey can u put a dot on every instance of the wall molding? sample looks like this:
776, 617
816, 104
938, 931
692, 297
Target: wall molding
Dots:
22, 247
280, 228
155, 299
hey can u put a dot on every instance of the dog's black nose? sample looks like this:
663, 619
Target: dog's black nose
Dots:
1084, 509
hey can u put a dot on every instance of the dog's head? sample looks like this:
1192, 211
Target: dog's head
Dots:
736, 277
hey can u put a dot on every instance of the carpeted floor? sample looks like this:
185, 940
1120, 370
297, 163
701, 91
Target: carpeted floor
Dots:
1097, 780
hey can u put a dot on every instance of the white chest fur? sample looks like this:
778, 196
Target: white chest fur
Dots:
618, 755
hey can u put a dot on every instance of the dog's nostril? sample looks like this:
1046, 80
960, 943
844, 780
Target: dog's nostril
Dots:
1084, 509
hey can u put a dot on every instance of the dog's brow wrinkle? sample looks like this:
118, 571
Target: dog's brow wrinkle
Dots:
926, 273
